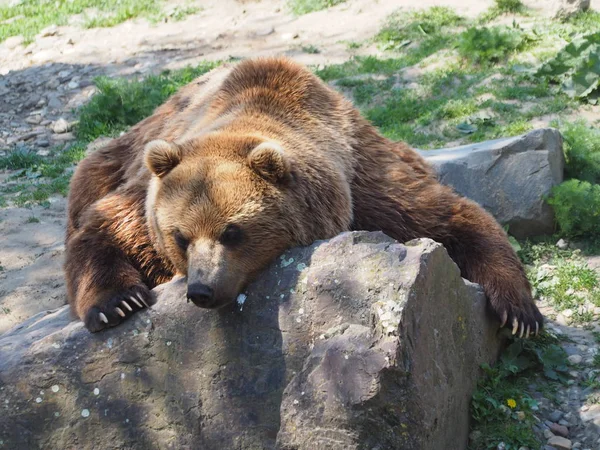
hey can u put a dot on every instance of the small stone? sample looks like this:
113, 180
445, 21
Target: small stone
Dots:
560, 443
548, 434
53, 84
86, 413
73, 85
13, 42
575, 359
264, 32
562, 244
561, 319
567, 312
34, 120
61, 126
43, 152
555, 415
65, 137
49, 31
559, 430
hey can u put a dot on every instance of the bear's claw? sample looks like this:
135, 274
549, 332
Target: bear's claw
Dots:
126, 305
117, 308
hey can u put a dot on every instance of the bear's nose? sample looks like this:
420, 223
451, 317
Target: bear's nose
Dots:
200, 294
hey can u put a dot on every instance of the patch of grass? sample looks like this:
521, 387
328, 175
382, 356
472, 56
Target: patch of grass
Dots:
361, 65
582, 150
122, 103
501, 7
566, 282
509, 6
502, 407
577, 208
28, 17
20, 159
403, 27
32, 219
489, 45
299, 7
311, 49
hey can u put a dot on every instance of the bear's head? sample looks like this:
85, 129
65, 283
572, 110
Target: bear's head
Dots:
217, 207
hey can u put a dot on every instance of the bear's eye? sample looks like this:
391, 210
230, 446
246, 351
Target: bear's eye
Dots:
181, 241
233, 235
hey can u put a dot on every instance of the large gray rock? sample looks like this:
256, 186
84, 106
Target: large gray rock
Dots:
509, 177
558, 9
358, 342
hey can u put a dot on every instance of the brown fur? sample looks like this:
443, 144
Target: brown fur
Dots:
267, 148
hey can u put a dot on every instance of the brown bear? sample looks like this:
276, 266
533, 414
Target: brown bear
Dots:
248, 161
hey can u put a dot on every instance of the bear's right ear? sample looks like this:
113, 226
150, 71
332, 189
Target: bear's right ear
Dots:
161, 157
270, 162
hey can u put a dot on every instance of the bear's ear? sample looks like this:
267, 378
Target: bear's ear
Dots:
270, 162
161, 157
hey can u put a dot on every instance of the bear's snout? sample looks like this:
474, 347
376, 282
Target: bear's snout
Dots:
201, 295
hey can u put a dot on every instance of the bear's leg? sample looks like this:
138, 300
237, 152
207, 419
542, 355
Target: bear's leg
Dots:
397, 193
105, 258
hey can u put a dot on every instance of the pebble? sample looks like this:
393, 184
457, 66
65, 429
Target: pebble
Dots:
548, 434
560, 443
13, 42
575, 359
567, 312
73, 85
63, 137
559, 430
42, 143
34, 120
562, 244
563, 320
264, 32
555, 415
61, 126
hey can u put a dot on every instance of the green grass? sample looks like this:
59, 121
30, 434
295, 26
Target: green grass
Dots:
299, 7
19, 159
562, 277
490, 45
428, 27
503, 406
582, 150
29, 17
122, 103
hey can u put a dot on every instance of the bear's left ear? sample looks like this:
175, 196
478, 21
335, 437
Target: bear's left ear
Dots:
161, 157
270, 162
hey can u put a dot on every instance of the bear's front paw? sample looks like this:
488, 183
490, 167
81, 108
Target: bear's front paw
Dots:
118, 307
517, 312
